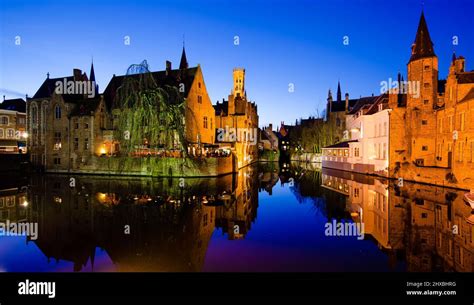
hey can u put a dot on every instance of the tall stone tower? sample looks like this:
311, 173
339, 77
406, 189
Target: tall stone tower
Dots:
239, 82
422, 97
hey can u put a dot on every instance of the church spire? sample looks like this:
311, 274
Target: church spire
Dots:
339, 96
423, 46
92, 74
92, 78
183, 64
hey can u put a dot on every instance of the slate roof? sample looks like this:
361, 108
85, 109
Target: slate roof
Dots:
49, 85
341, 106
423, 46
469, 96
17, 104
174, 78
465, 77
363, 102
374, 107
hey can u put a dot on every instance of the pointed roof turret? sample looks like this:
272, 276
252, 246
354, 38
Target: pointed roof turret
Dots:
92, 74
423, 46
339, 96
183, 64
92, 78
329, 95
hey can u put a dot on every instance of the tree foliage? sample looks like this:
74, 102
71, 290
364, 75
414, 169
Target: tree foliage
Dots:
149, 113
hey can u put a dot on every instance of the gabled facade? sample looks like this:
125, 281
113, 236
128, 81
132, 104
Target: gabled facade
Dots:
13, 133
54, 121
433, 134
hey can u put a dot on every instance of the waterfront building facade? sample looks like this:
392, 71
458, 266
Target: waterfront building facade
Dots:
13, 132
423, 134
237, 122
79, 132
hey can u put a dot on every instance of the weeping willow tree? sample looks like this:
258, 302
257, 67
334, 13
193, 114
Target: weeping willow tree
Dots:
150, 114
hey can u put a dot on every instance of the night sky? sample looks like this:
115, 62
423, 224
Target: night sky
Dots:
281, 43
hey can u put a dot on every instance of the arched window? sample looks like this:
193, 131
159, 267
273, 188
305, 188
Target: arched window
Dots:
57, 112
34, 115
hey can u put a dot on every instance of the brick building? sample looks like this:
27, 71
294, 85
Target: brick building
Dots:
237, 122
56, 121
13, 126
432, 131
423, 133
75, 132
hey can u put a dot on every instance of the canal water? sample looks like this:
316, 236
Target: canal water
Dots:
265, 218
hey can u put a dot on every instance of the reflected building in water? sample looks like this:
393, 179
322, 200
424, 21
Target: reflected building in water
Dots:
13, 200
142, 224
165, 225
429, 227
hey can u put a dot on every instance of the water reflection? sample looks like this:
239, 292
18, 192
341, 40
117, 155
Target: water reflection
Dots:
430, 227
133, 224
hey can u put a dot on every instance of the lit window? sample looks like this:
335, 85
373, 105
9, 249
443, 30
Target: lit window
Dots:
10, 133
57, 141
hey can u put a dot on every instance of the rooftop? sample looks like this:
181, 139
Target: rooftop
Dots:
17, 104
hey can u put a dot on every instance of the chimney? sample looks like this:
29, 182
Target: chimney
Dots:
270, 126
168, 67
77, 73
347, 102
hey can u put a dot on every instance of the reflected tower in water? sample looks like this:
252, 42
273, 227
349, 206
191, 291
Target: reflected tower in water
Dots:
142, 224
429, 227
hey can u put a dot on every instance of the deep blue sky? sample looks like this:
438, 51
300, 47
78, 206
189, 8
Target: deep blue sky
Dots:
281, 42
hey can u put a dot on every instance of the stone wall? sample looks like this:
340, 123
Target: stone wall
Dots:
156, 167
